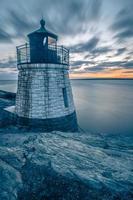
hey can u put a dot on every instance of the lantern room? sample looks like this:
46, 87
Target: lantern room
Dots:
42, 48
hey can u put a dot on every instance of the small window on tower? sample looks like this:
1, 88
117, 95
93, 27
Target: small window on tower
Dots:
64, 91
51, 41
44, 41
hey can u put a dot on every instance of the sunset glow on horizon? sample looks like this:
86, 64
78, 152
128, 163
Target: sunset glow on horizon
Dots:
119, 73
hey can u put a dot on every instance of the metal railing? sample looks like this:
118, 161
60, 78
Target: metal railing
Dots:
52, 54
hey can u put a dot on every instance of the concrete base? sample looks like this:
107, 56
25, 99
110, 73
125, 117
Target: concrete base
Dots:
65, 123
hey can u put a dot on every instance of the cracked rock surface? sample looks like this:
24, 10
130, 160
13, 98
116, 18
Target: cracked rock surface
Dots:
64, 166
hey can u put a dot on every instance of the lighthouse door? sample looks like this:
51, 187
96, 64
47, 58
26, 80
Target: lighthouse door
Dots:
64, 91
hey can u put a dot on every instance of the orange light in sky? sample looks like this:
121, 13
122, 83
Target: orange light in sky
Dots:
109, 73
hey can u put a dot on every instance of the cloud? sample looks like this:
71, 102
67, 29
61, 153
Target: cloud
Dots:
128, 72
120, 51
100, 24
102, 50
86, 46
128, 64
78, 63
126, 34
4, 36
121, 64
8, 63
96, 9
98, 51
123, 25
72, 16
102, 66
64, 17
94, 69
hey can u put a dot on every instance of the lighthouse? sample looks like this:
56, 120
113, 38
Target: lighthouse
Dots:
44, 96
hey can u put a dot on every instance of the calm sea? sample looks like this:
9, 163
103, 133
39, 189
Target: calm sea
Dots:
103, 106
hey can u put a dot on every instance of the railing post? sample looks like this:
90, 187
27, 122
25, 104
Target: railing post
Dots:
26, 53
62, 55
17, 55
68, 57
56, 53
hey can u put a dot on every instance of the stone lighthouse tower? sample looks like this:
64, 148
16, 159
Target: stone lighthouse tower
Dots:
44, 96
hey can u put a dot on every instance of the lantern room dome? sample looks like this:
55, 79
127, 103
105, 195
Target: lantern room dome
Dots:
43, 31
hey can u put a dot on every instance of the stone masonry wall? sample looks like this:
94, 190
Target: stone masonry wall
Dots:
39, 93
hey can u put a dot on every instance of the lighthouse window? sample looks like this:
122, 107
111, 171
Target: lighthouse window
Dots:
51, 41
65, 97
44, 41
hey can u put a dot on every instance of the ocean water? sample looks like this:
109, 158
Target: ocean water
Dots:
103, 106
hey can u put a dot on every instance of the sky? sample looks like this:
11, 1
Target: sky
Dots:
99, 34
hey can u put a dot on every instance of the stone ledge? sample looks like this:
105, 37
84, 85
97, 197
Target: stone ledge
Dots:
42, 67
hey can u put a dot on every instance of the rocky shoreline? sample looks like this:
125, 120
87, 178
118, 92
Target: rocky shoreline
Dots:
62, 166
6, 99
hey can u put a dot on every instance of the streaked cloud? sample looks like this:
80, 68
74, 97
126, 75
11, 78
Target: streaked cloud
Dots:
98, 32
85, 47
4, 36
